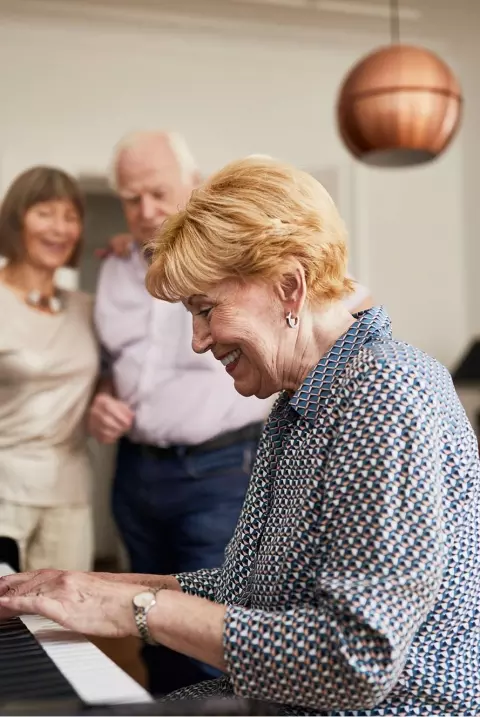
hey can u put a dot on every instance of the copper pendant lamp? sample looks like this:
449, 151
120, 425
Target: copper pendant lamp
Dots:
400, 105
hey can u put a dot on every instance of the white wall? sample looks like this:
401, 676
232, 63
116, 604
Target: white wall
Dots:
469, 59
70, 89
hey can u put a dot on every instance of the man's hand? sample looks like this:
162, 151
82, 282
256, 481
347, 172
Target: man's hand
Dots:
120, 245
109, 418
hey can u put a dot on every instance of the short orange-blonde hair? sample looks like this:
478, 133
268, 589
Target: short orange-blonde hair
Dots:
247, 221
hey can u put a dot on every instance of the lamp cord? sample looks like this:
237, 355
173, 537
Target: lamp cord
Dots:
394, 23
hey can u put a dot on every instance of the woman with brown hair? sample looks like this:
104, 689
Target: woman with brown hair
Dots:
48, 366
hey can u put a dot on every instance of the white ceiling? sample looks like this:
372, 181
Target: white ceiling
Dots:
428, 17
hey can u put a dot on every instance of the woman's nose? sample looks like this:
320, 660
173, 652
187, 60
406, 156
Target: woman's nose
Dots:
201, 341
59, 227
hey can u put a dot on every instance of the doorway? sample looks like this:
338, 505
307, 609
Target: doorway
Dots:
103, 219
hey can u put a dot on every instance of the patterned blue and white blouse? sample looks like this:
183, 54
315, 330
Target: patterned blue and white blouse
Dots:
353, 577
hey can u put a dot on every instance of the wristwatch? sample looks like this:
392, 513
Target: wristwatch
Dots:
142, 604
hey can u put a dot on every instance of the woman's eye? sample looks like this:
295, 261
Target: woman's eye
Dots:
204, 312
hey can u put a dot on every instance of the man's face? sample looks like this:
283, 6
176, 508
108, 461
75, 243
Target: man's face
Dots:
151, 186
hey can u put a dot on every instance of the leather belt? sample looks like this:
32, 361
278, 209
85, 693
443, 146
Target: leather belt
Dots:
251, 432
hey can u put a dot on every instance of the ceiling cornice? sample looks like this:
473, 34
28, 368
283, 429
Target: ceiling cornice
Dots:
262, 18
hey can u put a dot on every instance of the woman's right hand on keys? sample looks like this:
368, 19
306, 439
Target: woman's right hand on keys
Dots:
21, 583
109, 418
88, 603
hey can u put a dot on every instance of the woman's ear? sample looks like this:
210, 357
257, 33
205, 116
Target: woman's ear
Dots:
291, 288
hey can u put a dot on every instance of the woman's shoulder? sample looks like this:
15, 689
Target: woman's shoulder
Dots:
8, 297
392, 366
80, 298
398, 355
80, 302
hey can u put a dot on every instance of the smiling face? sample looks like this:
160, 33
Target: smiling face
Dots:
150, 185
244, 327
265, 246
51, 233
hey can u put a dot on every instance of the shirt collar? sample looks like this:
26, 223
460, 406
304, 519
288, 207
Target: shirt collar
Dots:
370, 325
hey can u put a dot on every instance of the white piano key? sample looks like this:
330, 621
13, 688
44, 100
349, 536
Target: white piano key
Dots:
94, 676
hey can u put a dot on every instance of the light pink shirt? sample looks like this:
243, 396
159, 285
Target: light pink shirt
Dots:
179, 397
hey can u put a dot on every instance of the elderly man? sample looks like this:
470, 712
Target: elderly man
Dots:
188, 438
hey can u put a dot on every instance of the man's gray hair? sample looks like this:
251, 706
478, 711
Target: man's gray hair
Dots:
178, 145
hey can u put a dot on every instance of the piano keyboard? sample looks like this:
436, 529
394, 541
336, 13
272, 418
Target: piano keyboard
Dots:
93, 677
37, 679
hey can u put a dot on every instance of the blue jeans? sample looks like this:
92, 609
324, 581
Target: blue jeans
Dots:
177, 514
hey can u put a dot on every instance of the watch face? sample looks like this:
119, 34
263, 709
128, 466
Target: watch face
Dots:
143, 599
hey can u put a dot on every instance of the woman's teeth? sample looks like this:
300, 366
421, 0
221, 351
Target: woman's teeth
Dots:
231, 357
54, 246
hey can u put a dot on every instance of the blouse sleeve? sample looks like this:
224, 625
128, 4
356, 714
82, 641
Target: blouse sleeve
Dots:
201, 583
380, 547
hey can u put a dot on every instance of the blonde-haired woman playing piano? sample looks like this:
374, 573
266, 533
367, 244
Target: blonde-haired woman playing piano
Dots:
351, 584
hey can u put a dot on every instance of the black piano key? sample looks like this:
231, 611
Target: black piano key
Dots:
26, 671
